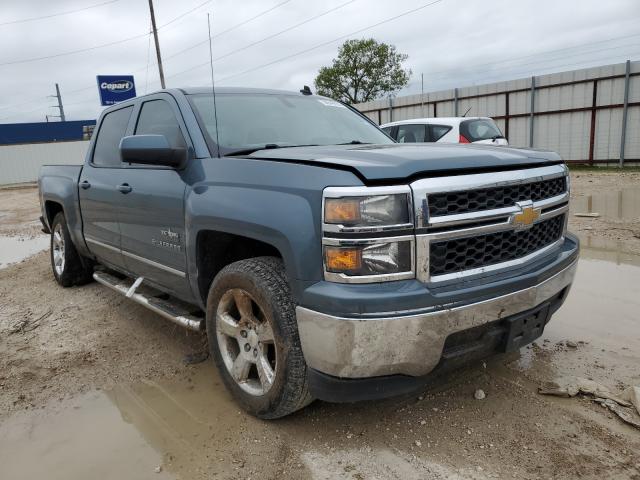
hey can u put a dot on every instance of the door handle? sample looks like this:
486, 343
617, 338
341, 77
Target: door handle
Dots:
124, 188
84, 185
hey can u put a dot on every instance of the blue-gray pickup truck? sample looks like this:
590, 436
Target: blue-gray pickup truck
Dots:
322, 259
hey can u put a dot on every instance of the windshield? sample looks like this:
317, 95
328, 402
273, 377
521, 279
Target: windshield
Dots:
480, 129
255, 120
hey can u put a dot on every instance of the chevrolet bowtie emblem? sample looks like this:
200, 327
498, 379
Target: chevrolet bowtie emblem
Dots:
527, 215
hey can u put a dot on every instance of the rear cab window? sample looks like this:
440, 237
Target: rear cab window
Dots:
412, 133
438, 131
480, 129
106, 152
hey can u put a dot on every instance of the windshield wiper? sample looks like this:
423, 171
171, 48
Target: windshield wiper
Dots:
268, 146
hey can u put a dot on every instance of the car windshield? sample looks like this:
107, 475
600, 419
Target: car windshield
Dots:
480, 129
254, 120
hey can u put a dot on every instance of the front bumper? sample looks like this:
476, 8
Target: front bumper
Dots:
412, 345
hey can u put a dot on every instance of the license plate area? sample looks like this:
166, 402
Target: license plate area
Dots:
525, 327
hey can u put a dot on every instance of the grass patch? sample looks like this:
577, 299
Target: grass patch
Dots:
595, 169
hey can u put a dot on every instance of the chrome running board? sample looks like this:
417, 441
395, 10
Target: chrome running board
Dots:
173, 311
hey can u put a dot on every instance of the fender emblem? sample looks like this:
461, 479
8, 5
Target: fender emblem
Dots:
526, 217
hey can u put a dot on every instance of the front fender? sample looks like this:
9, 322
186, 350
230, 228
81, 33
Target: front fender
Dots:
275, 203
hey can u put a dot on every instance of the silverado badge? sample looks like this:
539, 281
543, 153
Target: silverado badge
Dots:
527, 215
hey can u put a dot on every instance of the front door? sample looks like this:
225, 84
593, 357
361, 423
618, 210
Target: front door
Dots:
152, 215
100, 199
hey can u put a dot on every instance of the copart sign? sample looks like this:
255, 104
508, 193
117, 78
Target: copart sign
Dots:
115, 88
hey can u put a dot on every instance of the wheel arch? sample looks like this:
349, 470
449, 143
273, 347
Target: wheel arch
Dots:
217, 249
51, 209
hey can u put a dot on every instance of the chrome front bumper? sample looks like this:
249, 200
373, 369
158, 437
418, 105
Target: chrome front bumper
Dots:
408, 344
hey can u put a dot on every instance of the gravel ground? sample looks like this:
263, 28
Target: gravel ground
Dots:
87, 377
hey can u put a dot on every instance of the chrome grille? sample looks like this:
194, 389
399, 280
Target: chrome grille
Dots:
450, 256
452, 203
469, 225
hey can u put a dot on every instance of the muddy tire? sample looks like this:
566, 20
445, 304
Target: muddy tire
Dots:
253, 338
67, 265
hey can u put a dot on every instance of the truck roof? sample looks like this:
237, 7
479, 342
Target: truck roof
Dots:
236, 90
201, 90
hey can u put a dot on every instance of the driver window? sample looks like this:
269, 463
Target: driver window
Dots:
157, 118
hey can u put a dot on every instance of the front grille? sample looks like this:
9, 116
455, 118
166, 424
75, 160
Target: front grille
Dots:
451, 256
451, 203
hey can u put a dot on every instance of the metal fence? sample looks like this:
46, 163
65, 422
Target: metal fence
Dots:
588, 116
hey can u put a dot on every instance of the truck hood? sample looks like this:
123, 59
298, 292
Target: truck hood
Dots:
401, 161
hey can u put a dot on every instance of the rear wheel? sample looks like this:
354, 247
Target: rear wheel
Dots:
68, 267
253, 338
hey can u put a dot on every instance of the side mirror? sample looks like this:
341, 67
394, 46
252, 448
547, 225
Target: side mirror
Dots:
151, 150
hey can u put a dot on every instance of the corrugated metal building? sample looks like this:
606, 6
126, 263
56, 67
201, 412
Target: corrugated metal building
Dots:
577, 113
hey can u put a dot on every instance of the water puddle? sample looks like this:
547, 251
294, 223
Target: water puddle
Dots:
16, 249
184, 428
614, 204
88, 438
600, 319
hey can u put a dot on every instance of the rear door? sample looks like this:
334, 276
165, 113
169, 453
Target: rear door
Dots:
152, 217
100, 199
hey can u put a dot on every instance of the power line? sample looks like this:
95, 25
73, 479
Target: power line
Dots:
516, 59
72, 52
269, 37
233, 27
68, 12
191, 47
301, 52
185, 14
95, 47
564, 66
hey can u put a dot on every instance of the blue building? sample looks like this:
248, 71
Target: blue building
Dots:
45, 132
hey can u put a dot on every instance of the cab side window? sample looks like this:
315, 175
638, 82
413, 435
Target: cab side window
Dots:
157, 118
106, 152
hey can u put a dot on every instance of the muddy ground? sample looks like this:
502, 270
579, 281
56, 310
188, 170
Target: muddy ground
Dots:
94, 386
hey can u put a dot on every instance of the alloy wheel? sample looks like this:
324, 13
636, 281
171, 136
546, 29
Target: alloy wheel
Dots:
246, 342
58, 249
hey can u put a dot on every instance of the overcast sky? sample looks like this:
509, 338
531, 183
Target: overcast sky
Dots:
453, 42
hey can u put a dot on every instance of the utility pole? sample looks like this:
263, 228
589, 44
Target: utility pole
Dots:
155, 37
59, 106
422, 95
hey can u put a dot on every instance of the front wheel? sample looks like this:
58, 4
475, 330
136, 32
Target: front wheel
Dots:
253, 338
68, 267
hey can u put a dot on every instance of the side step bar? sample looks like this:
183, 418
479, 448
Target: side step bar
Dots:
168, 310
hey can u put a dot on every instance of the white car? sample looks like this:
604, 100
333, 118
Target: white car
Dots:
447, 130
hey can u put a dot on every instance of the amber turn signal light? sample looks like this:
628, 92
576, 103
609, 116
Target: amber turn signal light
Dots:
341, 210
342, 259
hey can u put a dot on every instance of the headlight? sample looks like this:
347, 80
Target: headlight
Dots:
357, 245
367, 211
380, 258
